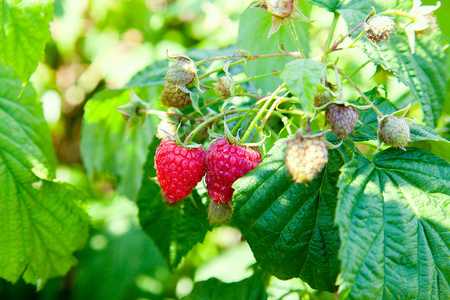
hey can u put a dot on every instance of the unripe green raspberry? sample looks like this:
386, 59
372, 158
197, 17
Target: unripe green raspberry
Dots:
181, 71
342, 119
305, 157
394, 131
320, 99
173, 96
223, 87
379, 28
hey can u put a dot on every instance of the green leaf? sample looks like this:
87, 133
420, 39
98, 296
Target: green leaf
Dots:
254, 27
302, 76
107, 147
394, 218
251, 288
421, 136
289, 226
25, 31
424, 73
354, 11
330, 5
174, 229
24, 134
41, 222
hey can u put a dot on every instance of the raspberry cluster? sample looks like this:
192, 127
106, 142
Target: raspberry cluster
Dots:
179, 169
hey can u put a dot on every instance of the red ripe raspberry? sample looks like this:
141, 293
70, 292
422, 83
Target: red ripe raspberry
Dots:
225, 164
178, 169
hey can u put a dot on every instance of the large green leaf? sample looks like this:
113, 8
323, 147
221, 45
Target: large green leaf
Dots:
421, 136
106, 146
24, 31
394, 219
41, 225
254, 27
24, 134
289, 226
302, 76
424, 73
251, 288
174, 229
41, 222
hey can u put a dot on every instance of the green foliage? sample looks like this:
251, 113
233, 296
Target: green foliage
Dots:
25, 31
421, 136
302, 76
290, 226
107, 145
125, 275
42, 221
174, 229
254, 27
424, 72
251, 288
393, 218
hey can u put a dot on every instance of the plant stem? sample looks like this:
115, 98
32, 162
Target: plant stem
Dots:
294, 33
332, 29
160, 112
360, 92
257, 77
398, 13
210, 120
261, 111
341, 39
246, 57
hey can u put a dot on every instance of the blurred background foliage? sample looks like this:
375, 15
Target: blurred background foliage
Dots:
99, 44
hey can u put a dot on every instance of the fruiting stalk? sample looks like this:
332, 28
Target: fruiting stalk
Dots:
160, 112
294, 33
258, 116
210, 120
360, 92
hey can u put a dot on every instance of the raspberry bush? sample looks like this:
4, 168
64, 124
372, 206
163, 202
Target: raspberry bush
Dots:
331, 176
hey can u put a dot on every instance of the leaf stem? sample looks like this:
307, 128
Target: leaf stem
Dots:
332, 29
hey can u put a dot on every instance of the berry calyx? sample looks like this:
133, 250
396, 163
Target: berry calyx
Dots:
342, 119
379, 28
305, 157
178, 169
182, 71
395, 131
225, 164
173, 96
220, 213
